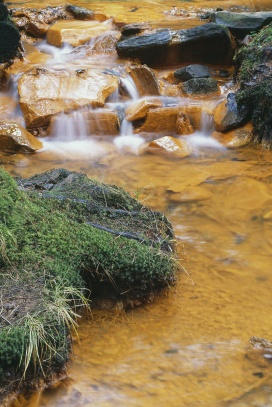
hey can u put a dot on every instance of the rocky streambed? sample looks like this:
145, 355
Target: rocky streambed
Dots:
114, 87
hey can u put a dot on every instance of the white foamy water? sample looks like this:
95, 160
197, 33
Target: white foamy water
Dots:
87, 149
69, 127
130, 143
129, 85
56, 52
198, 140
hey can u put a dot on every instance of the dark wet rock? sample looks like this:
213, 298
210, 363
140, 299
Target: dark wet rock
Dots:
227, 116
209, 43
145, 80
200, 86
132, 29
254, 77
80, 13
241, 24
3, 12
191, 72
9, 36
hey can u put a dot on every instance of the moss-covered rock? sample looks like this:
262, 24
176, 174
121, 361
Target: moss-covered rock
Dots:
60, 234
254, 76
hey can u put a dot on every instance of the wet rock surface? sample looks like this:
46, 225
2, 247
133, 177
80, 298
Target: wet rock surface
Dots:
227, 116
44, 93
192, 72
15, 138
254, 77
200, 86
76, 33
209, 43
241, 24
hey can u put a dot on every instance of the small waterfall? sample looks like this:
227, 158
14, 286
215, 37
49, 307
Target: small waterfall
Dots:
12, 92
130, 87
206, 124
69, 127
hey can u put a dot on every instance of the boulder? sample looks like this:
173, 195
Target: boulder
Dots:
227, 116
167, 144
254, 73
235, 138
191, 72
14, 138
241, 24
200, 86
190, 194
145, 80
76, 33
44, 93
97, 122
138, 110
209, 43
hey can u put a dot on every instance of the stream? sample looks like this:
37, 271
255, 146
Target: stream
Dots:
190, 347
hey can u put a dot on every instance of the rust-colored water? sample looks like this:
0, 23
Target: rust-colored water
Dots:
191, 346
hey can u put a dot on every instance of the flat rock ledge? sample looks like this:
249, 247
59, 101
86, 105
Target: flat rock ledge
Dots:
66, 239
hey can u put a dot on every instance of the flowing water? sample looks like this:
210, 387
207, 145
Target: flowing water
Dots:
191, 346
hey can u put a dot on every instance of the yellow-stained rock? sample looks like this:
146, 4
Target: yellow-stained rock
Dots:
172, 145
145, 80
169, 119
14, 138
190, 194
37, 29
139, 109
44, 93
235, 138
75, 32
162, 119
183, 124
97, 122
194, 112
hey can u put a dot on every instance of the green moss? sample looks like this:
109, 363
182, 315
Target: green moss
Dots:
253, 63
46, 241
